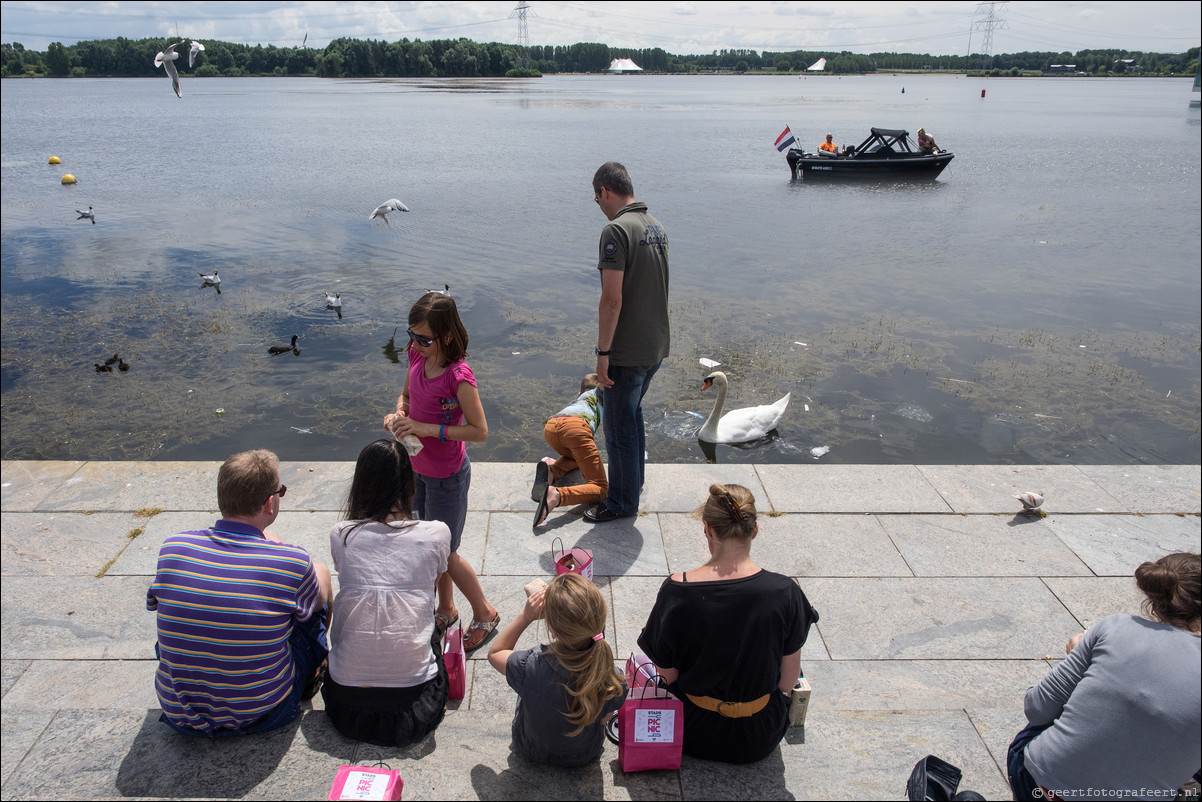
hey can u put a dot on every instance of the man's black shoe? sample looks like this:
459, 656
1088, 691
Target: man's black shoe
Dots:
602, 514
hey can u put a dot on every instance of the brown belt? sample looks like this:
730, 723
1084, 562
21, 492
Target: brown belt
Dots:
730, 709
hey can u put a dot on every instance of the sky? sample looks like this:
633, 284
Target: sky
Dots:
936, 27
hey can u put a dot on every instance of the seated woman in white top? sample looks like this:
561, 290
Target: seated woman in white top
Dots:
387, 681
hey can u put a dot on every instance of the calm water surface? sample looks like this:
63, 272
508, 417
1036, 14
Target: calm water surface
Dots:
1039, 303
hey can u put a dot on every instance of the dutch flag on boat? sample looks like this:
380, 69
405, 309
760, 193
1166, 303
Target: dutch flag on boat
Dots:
785, 139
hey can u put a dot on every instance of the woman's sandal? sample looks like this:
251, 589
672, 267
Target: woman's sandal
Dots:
443, 622
480, 633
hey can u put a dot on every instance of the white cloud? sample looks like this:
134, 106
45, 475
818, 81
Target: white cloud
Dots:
678, 27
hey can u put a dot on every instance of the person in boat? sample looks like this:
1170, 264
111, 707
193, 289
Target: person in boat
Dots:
829, 145
926, 143
848, 151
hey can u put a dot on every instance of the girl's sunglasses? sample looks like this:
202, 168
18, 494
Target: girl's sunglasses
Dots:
424, 342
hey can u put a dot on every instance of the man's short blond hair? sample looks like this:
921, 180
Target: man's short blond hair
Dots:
245, 482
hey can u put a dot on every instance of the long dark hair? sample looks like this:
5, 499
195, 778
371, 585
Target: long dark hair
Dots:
438, 311
382, 487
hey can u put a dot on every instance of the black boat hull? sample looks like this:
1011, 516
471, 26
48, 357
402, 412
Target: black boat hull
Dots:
915, 167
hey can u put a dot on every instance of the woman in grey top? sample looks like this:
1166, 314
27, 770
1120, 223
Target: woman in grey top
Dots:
1121, 716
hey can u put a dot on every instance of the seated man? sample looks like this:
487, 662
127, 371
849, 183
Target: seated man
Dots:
829, 145
241, 634
926, 142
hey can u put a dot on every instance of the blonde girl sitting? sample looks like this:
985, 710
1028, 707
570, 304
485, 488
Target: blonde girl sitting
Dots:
568, 689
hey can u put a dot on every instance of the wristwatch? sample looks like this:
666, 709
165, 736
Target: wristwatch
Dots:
599, 352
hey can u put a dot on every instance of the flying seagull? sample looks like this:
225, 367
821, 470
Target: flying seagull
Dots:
90, 214
166, 59
196, 48
386, 208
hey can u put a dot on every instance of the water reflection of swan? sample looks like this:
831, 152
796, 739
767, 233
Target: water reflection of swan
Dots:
738, 425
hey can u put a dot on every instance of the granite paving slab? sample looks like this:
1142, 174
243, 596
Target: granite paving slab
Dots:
919, 684
1151, 488
623, 547
684, 488
316, 486
991, 488
131, 754
796, 545
849, 488
1115, 545
76, 618
852, 754
997, 727
25, 483
86, 684
980, 545
501, 486
469, 757
113, 486
311, 530
939, 618
1091, 599
22, 727
10, 672
62, 544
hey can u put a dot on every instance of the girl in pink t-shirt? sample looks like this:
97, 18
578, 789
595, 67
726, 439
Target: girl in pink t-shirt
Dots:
441, 405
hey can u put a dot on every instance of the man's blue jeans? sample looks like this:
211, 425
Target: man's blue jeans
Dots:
625, 438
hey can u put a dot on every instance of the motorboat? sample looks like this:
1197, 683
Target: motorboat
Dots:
886, 153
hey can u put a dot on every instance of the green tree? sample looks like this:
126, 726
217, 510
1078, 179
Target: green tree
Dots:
741, 66
58, 63
783, 64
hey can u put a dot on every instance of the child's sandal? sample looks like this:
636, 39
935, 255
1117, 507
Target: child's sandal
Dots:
479, 633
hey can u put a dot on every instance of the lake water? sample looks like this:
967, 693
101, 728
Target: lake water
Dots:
1039, 303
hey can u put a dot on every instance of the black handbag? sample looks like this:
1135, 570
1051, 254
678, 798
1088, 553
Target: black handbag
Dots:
936, 779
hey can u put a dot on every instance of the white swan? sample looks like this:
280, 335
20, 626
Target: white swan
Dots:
738, 425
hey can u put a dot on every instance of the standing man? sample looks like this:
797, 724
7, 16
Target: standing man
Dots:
632, 332
241, 634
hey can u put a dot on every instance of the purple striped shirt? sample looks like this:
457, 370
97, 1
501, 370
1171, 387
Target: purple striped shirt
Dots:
226, 600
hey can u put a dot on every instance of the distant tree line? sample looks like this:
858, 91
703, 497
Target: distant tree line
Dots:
367, 58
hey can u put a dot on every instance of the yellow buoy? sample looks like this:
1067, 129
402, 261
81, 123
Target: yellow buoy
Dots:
55, 160
69, 179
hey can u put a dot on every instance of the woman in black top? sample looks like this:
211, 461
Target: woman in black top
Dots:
727, 638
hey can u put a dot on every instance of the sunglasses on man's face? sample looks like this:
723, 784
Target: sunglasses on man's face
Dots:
283, 489
424, 342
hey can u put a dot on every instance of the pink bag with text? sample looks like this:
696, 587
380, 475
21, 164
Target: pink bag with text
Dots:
650, 723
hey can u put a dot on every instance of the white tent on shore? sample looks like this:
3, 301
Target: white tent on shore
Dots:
620, 65
817, 66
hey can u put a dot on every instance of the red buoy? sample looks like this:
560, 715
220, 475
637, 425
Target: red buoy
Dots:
982, 93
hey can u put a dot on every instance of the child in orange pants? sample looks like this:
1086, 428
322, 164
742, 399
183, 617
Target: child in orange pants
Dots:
571, 432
